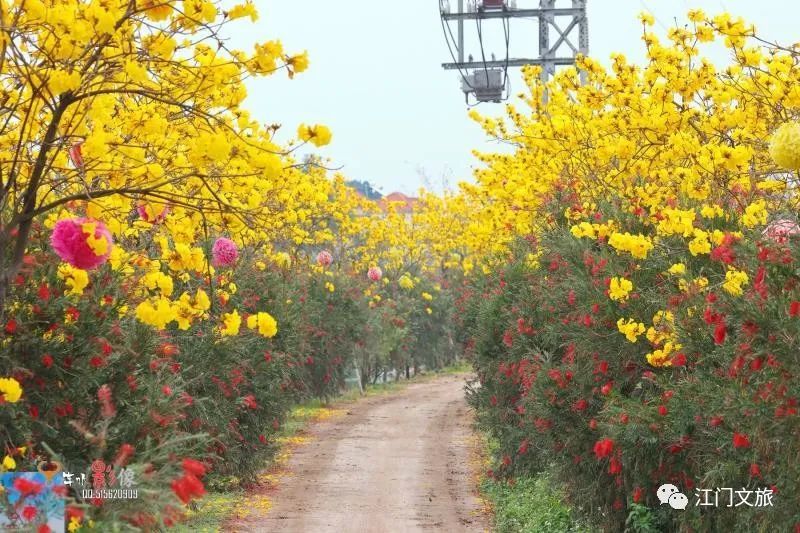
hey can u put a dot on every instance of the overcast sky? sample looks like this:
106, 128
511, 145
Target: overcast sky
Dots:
375, 77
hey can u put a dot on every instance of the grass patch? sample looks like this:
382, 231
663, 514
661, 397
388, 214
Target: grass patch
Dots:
532, 504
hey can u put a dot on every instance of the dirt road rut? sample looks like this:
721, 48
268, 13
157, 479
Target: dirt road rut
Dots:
396, 463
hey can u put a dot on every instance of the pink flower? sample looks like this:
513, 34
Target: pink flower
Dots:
780, 230
224, 252
81, 242
324, 258
375, 273
148, 213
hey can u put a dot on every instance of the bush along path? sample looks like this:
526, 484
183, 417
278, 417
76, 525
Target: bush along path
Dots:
392, 462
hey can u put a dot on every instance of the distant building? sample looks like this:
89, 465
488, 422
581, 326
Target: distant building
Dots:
403, 204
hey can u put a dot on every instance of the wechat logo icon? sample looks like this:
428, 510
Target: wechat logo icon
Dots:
670, 494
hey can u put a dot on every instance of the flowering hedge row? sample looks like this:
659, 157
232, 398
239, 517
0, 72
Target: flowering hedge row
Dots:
641, 326
89, 375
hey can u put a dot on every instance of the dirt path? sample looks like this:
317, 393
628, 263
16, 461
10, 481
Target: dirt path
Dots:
395, 463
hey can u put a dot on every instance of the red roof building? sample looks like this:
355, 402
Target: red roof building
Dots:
404, 204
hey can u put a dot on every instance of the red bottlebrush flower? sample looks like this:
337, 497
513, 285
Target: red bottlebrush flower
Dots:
794, 309
96, 362
740, 440
107, 406
47, 360
755, 471
623, 418
678, 359
166, 349
638, 492
33, 411
724, 252
309, 360
125, 452
166, 390
662, 410
508, 340
571, 298
249, 401
580, 405
74, 512
186, 398
44, 528
193, 467
603, 448
267, 357
720, 332
592, 424
106, 348
523, 447
605, 390
11, 326
716, 421
262, 439
26, 487
614, 466
187, 487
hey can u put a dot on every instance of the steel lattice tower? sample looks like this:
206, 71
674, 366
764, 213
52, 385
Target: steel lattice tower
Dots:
563, 34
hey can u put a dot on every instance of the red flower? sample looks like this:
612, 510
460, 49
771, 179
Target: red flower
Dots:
755, 471
11, 326
614, 466
196, 468
29, 513
603, 448
26, 487
716, 421
508, 340
580, 405
662, 410
638, 492
679, 359
794, 309
187, 487
740, 440
47, 360
523, 447
720, 332
249, 401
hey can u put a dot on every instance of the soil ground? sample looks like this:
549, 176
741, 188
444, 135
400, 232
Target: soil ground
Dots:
397, 463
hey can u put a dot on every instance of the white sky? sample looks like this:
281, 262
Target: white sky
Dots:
375, 76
